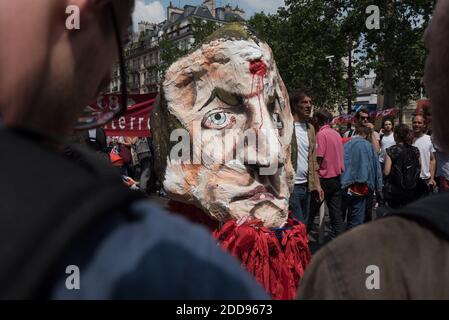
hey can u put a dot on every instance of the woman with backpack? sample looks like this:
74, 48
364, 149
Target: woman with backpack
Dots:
402, 169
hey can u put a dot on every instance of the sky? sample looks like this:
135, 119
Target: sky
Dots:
155, 11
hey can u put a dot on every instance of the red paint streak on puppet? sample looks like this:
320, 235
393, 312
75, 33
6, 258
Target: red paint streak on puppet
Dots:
258, 69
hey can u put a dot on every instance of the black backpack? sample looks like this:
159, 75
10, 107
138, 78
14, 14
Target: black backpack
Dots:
405, 170
48, 201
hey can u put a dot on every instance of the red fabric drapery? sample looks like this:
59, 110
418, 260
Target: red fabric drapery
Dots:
276, 258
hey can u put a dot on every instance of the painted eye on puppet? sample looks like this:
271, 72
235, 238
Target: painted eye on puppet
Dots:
277, 121
217, 120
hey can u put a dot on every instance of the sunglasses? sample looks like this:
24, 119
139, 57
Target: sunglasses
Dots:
91, 118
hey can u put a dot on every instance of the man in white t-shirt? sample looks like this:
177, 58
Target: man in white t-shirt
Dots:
386, 140
306, 179
427, 152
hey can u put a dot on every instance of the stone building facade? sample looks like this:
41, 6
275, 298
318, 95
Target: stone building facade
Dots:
142, 55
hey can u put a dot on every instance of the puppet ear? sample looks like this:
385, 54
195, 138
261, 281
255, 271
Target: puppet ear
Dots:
162, 125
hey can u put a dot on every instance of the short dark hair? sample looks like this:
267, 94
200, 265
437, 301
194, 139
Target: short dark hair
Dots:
364, 110
403, 134
322, 117
388, 119
298, 95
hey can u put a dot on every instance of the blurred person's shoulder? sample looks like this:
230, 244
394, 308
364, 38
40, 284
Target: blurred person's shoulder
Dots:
157, 256
390, 258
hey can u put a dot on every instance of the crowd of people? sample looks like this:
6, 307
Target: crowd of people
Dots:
359, 170
132, 156
355, 170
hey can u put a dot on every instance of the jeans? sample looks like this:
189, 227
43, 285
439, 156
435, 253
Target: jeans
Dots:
356, 213
332, 195
300, 203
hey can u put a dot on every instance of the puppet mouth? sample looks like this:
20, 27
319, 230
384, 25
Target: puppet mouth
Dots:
258, 194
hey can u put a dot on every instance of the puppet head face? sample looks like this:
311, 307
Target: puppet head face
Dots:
229, 97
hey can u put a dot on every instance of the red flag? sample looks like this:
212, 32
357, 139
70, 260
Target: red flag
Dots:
135, 121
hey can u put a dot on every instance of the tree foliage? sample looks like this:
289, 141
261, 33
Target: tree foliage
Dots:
396, 51
309, 46
169, 53
306, 33
202, 29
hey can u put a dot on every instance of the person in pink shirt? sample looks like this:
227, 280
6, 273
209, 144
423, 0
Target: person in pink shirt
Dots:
330, 161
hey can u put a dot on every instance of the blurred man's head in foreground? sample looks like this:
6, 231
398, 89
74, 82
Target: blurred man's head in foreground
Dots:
50, 72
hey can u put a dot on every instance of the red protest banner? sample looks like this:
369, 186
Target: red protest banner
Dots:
384, 113
135, 122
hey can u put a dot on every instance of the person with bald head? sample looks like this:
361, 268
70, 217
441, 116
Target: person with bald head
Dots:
406, 254
72, 230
